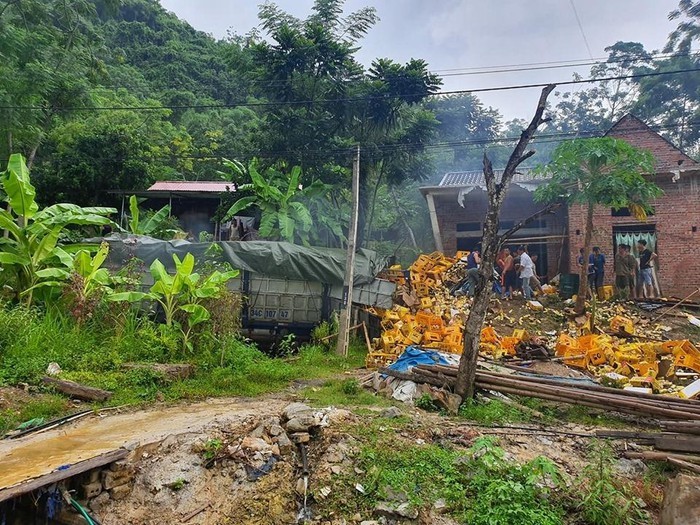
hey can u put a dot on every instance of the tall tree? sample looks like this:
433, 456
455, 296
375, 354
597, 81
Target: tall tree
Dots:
490, 245
603, 172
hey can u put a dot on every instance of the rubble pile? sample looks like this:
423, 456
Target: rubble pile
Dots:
426, 315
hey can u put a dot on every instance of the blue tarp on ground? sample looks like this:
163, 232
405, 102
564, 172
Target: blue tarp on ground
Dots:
414, 356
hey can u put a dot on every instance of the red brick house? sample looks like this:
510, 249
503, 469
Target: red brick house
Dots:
673, 227
458, 205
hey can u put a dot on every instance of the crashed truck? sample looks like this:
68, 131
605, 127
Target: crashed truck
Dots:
286, 288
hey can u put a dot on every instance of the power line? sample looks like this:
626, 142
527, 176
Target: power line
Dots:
544, 138
352, 99
580, 26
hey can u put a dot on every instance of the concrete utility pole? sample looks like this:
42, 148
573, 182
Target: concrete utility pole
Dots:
346, 307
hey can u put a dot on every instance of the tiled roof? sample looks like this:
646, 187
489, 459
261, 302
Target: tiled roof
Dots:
476, 178
192, 186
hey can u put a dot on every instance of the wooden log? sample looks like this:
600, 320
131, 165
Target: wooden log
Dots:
410, 377
618, 403
684, 464
683, 427
652, 455
169, 370
76, 390
59, 475
691, 403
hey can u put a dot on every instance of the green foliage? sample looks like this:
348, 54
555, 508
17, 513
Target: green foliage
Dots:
341, 393
602, 499
425, 402
44, 407
488, 412
151, 225
181, 293
280, 199
212, 448
599, 171
31, 254
479, 486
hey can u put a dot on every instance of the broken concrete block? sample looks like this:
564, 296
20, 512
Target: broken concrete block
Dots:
275, 430
91, 490
99, 502
121, 466
681, 501
120, 492
112, 479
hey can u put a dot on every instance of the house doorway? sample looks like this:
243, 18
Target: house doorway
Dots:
631, 235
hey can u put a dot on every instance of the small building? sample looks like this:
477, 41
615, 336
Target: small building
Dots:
458, 205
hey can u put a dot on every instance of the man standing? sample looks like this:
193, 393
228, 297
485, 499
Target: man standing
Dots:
527, 271
646, 271
625, 270
596, 262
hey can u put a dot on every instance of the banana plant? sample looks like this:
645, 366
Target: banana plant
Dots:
182, 291
281, 200
31, 254
149, 226
94, 277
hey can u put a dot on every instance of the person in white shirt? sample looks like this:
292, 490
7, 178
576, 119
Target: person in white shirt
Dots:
527, 271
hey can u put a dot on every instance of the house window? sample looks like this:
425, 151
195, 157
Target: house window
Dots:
468, 226
625, 212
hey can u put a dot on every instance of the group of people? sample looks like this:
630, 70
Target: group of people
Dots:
633, 278
516, 271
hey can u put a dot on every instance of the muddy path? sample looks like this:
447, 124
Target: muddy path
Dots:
38, 454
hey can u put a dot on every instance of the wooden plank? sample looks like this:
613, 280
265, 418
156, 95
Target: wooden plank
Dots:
14, 491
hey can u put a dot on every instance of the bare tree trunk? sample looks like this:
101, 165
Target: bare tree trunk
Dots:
583, 279
490, 244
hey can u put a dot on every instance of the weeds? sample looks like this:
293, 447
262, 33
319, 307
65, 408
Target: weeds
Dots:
480, 486
343, 393
425, 402
603, 499
493, 411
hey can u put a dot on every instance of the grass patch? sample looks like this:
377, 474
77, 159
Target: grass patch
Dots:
46, 407
343, 392
93, 354
478, 485
492, 411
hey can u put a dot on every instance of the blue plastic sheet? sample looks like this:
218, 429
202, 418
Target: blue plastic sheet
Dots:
414, 356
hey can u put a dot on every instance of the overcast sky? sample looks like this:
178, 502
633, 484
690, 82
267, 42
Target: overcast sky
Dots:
453, 34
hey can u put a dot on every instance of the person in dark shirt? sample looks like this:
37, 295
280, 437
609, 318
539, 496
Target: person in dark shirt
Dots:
625, 270
596, 262
646, 271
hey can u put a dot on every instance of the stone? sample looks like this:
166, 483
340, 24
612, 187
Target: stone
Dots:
630, 468
369, 522
396, 496
91, 490
258, 431
275, 430
284, 443
120, 493
339, 414
301, 486
681, 502
390, 413
295, 410
300, 437
302, 423
99, 502
440, 506
275, 450
336, 469
392, 510
112, 479
53, 369
255, 444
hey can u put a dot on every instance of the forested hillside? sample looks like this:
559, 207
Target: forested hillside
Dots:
112, 94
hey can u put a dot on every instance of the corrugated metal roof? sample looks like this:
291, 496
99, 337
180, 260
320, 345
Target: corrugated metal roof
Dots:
201, 186
476, 178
